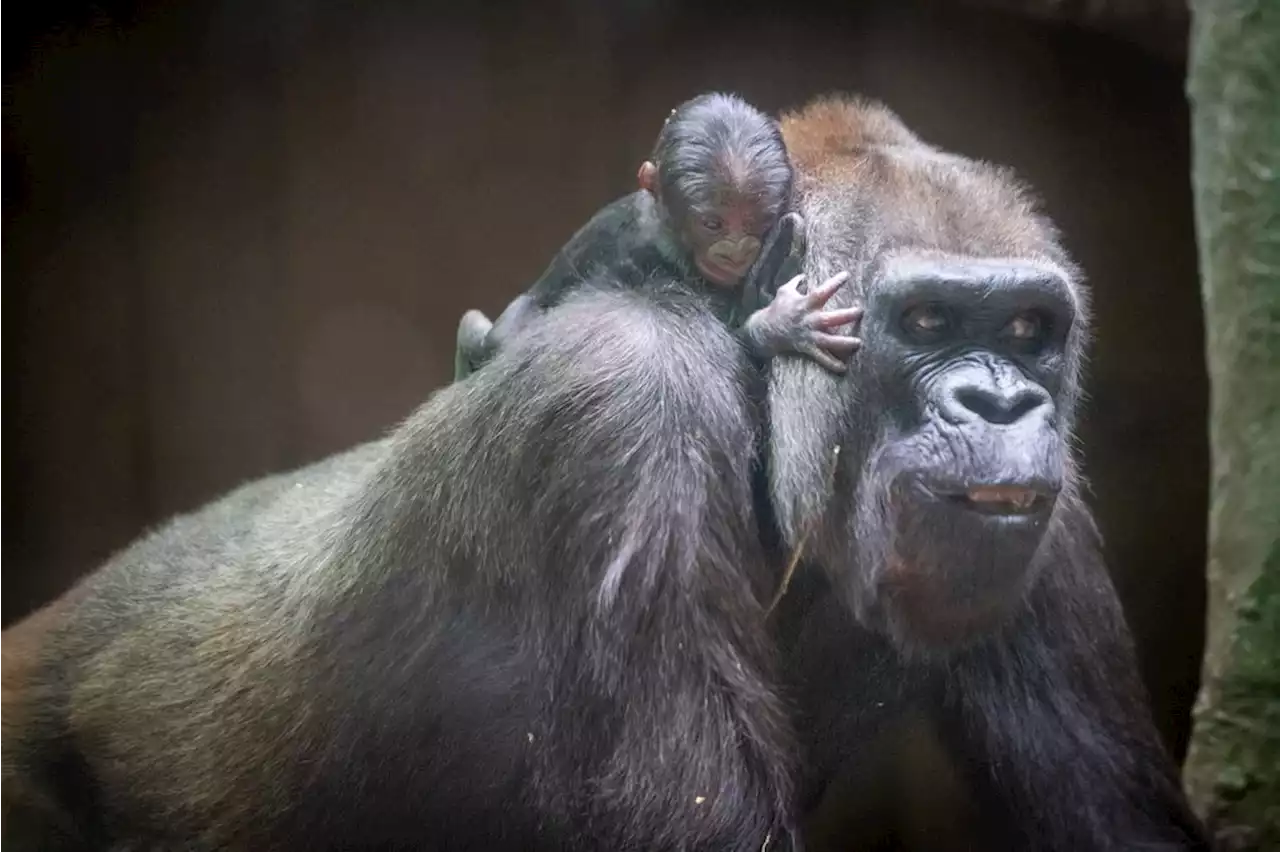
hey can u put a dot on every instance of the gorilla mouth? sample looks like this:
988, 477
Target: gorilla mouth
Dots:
721, 271
1002, 500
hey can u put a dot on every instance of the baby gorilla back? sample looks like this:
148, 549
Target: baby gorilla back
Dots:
529, 618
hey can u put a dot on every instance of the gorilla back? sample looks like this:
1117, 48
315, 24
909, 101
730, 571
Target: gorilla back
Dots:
529, 618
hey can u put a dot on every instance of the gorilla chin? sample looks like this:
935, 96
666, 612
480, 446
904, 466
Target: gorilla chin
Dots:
961, 555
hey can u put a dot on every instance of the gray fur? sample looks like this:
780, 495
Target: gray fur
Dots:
528, 618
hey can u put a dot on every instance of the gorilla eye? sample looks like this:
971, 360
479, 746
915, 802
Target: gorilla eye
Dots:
712, 223
926, 321
1025, 327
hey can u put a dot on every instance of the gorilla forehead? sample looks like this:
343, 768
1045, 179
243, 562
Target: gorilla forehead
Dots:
871, 190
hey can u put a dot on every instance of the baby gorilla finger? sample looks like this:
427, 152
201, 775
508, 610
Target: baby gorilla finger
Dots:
826, 360
838, 344
828, 320
819, 297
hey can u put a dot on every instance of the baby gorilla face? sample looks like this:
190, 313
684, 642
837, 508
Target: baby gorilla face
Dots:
720, 171
725, 240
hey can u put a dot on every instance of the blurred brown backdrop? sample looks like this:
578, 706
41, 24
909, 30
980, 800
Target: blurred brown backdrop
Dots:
238, 235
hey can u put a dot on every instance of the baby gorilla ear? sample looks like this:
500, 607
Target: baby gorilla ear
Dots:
648, 178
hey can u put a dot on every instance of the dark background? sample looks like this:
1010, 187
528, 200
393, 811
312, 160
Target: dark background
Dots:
238, 235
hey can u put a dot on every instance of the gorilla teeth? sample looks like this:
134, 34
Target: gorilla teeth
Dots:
1019, 498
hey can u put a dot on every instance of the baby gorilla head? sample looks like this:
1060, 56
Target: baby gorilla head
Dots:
721, 173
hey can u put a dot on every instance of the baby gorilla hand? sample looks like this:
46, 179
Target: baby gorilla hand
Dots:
796, 322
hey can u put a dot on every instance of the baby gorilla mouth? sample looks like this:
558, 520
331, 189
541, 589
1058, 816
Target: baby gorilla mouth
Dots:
722, 271
1002, 500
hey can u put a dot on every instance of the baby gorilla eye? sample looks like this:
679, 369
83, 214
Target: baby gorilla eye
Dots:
926, 321
712, 223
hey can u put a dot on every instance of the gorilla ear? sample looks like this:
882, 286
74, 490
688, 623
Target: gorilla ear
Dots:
648, 178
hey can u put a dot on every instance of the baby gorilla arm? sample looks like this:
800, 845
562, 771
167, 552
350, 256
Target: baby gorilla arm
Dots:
792, 322
796, 322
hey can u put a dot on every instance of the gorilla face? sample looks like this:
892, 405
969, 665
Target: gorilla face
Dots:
955, 473
964, 365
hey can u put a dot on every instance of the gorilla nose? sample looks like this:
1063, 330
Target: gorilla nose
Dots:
996, 406
740, 253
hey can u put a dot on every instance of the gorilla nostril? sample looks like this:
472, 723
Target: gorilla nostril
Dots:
1000, 409
981, 403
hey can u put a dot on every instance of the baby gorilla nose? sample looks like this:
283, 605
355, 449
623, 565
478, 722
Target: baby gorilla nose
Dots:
736, 254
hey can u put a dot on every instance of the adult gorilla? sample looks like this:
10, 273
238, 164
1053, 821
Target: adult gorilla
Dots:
531, 618
963, 581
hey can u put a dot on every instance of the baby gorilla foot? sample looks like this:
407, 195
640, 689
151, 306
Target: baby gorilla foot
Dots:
473, 331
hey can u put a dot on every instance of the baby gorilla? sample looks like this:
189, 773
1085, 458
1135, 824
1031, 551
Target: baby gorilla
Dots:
718, 182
